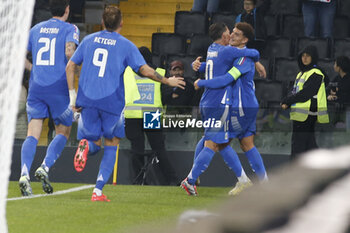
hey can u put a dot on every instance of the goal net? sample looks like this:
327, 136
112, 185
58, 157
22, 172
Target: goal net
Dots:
15, 20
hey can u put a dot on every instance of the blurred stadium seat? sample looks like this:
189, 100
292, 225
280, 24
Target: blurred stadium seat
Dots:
327, 66
156, 60
285, 69
268, 92
341, 47
272, 23
341, 27
188, 23
199, 45
168, 43
322, 45
285, 7
278, 47
238, 6
344, 7
292, 26
225, 17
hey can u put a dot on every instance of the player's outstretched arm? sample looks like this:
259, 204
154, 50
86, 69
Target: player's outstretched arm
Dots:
234, 53
70, 70
149, 72
261, 69
220, 81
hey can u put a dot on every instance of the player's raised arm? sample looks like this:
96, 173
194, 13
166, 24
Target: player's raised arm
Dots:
149, 72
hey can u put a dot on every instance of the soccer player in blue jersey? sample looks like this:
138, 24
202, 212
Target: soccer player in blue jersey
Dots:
51, 44
105, 56
244, 108
215, 104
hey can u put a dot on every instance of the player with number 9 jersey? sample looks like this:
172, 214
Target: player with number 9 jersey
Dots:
105, 56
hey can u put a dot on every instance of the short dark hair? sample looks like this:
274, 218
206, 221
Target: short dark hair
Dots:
344, 63
146, 53
112, 17
247, 30
254, 1
216, 30
58, 7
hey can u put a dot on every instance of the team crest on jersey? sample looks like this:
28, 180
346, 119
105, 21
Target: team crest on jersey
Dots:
151, 120
76, 36
241, 61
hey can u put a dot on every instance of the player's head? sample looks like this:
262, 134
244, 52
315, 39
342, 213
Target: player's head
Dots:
241, 34
219, 33
249, 5
343, 63
59, 8
111, 18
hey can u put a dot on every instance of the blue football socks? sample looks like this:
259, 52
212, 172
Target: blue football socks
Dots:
54, 151
93, 148
231, 159
256, 163
27, 154
199, 148
200, 164
106, 166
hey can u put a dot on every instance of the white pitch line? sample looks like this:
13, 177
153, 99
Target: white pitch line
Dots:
53, 194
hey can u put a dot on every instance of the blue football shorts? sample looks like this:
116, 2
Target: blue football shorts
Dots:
242, 125
41, 106
94, 123
218, 135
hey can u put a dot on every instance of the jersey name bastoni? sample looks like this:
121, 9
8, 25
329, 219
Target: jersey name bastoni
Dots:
191, 123
49, 30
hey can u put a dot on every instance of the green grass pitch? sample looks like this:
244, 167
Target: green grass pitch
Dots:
131, 207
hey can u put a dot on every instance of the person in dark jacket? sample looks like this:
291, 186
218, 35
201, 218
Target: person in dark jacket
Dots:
341, 91
178, 100
254, 15
339, 97
308, 102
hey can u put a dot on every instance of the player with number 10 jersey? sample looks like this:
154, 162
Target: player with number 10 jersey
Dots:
215, 102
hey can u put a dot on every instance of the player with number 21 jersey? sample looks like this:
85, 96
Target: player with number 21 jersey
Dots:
47, 41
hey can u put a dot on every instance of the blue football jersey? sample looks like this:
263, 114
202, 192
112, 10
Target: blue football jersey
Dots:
105, 56
243, 90
219, 61
47, 41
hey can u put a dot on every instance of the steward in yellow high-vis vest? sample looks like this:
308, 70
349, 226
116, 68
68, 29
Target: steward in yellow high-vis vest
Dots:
141, 94
307, 102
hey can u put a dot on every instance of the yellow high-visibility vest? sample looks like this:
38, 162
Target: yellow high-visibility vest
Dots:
300, 111
141, 94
